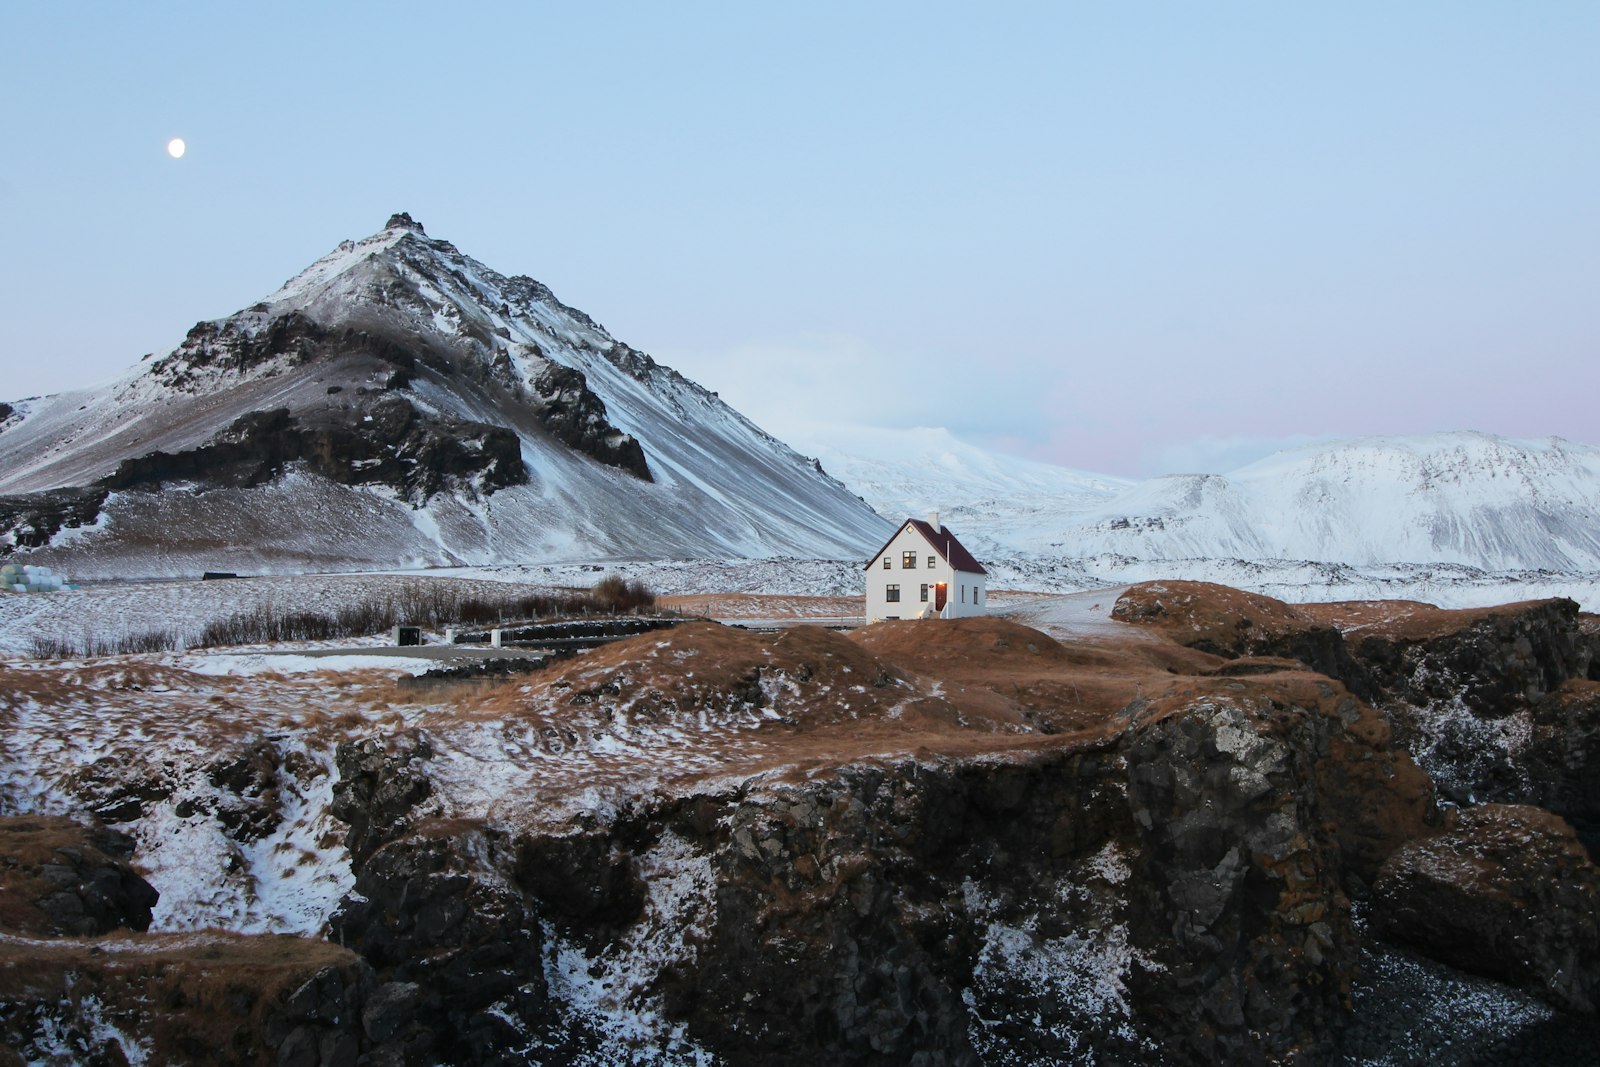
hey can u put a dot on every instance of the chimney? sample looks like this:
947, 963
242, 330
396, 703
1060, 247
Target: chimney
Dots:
933, 520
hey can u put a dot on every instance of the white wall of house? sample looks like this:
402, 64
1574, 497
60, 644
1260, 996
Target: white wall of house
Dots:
899, 591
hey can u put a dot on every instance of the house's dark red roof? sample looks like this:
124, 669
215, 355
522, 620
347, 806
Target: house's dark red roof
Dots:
943, 541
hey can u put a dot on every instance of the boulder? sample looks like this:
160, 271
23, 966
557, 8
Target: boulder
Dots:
1510, 893
1562, 756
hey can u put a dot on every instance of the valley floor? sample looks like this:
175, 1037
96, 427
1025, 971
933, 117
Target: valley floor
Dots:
735, 589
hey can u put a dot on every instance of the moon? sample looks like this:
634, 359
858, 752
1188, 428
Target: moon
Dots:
176, 147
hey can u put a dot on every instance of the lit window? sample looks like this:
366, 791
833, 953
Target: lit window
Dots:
924, 592
892, 594
908, 561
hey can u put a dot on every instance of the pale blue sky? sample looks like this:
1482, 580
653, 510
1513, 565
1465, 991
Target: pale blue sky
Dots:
1125, 237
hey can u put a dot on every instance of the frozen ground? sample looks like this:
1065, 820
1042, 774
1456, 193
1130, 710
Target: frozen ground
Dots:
1294, 581
107, 610
816, 588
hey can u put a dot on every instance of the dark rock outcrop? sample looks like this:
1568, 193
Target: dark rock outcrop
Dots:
1174, 896
1494, 702
1562, 757
237, 345
574, 415
1173, 892
1481, 697
249, 789
456, 950
178, 999
380, 784
61, 878
115, 796
1495, 661
1509, 892
384, 442
67, 995
30, 520
585, 876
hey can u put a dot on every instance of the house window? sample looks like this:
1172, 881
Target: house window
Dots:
930, 563
885, 562
924, 592
891, 594
908, 561
963, 594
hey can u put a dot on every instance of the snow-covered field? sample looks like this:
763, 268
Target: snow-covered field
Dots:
106, 611
109, 610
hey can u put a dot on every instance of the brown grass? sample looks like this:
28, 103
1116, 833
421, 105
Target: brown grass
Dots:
1405, 620
198, 998
680, 707
1205, 615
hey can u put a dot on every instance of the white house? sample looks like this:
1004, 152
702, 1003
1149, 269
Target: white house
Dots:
924, 572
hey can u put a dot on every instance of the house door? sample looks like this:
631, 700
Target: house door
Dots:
940, 591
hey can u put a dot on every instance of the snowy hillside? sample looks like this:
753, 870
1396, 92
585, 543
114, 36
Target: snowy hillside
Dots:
1463, 498
1467, 499
987, 496
400, 404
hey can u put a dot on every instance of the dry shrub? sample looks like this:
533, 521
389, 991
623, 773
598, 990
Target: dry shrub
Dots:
52, 647
616, 593
41, 646
432, 606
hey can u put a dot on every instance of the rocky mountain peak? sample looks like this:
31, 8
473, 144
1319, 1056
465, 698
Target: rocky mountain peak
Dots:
401, 220
397, 374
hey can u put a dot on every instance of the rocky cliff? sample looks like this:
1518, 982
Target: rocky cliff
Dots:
1496, 703
962, 843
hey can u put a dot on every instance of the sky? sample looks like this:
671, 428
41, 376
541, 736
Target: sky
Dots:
1130, 238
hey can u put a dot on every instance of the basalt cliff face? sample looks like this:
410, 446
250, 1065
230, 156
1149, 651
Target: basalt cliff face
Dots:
925, 843
1498, 704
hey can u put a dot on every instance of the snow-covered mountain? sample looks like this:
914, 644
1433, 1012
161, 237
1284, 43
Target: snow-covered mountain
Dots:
1472, 499
987, 496
400, 404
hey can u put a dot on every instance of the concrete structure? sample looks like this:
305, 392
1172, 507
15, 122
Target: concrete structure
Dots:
923, 572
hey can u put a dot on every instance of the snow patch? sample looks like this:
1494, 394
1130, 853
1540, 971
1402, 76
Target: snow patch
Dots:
608, 989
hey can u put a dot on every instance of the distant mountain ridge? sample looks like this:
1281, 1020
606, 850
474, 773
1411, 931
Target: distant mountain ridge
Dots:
398, 403
1466, 498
